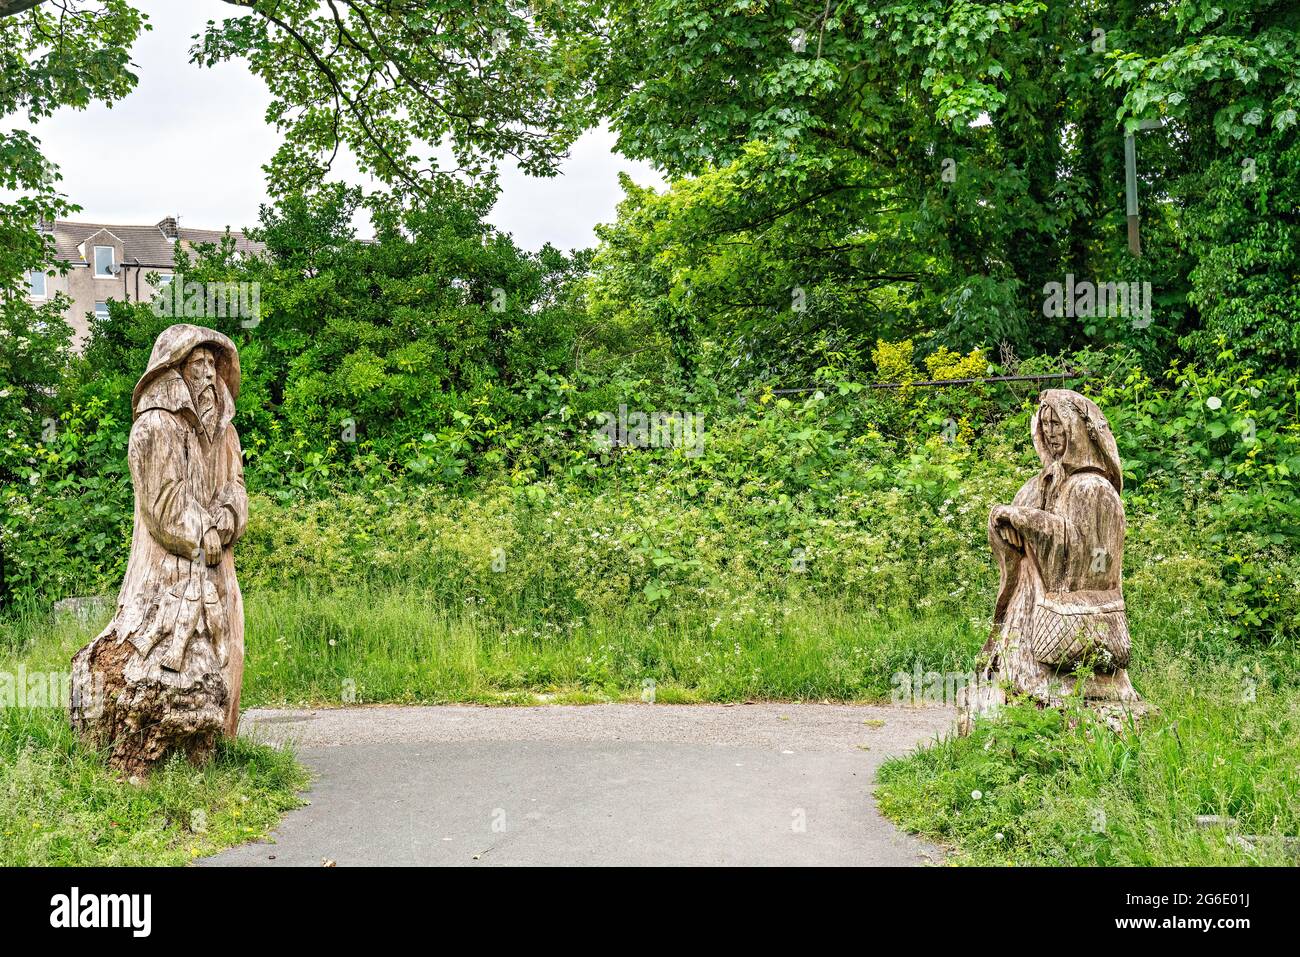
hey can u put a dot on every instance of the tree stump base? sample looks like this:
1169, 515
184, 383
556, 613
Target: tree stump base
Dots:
1118, 706
143, 713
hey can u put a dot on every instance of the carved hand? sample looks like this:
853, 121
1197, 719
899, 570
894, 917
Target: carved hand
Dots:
212, 547
1002, 521
225, 525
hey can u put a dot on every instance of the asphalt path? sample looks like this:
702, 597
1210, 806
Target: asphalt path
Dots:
620, 784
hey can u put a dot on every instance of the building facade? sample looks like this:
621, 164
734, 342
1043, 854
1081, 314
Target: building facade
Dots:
106, 262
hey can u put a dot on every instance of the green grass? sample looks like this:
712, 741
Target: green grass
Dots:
403, 646
60, 805
1224, 740
1050, 792
1030, 789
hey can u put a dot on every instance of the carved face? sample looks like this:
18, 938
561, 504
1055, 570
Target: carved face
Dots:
1054, 431
200, 371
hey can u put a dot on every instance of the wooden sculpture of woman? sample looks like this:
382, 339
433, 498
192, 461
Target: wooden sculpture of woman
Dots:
1059, 622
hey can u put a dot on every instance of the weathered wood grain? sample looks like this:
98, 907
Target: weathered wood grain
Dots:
1059, 622
165, 675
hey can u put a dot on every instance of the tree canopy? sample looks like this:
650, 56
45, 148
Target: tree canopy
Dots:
843, 170
929, 166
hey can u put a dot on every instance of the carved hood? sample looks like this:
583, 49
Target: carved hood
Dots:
1089, 444
161, 386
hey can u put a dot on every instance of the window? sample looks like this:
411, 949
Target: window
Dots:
165, 279
103, 261
38, 284
101, 311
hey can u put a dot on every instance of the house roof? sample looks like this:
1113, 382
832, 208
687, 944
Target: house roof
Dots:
143, 245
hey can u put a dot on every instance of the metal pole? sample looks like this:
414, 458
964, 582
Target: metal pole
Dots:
1131, 194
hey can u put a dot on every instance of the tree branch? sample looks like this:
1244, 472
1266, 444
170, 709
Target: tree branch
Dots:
340, 92
9, 8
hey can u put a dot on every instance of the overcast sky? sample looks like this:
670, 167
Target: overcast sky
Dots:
191, 142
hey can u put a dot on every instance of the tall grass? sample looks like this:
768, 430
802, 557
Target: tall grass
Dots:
60, 805
368, 645
1225, 738
1034, 788
1045, 788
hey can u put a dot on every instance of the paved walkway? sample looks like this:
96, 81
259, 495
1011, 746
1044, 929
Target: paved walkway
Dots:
757, 784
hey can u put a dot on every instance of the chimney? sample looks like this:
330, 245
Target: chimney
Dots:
170, 228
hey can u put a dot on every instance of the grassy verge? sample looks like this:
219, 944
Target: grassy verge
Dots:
1226, 740
390, 645
1031, 789
403, 646
59, 804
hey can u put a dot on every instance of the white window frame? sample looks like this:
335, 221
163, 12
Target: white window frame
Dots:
39, 274
101, 310
112, 261
165, 279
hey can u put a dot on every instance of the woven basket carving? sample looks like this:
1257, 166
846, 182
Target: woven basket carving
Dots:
1071, 626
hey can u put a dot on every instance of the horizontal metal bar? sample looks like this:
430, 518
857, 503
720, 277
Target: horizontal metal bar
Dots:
1082, 373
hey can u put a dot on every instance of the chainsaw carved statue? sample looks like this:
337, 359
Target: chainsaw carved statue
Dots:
1059, 625
165, 675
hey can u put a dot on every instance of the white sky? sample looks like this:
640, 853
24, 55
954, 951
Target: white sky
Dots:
191, 142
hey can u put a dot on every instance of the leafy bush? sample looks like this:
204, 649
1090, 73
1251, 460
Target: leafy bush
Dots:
65, 521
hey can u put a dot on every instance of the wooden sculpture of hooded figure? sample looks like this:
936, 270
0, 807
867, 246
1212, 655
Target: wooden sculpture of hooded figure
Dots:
1059, 621
165, 674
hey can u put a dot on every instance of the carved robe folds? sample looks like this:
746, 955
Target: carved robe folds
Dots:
165, 674
1060, 619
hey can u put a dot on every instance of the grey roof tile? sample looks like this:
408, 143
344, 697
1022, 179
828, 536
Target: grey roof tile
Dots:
145, 245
